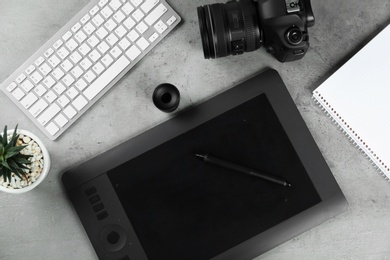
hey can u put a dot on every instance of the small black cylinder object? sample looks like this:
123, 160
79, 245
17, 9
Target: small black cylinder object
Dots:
166, 97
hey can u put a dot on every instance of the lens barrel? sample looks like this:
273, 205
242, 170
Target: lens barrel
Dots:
229, 29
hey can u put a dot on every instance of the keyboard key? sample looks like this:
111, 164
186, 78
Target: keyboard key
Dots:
112, 39
76, 27
171, 20
98, 68
50, 96
98, 20
129, 23
52, 128
136, 3
94, 10
36, 77
67, 65
102, 2
93, 41
63, 100
85, 18
115, 4
110, 25
143, 43
75, 57
57, 44
68, 80
20, 78
38, 107
28, 100
148, 5
138, 15
72, 44
70, 112
30, 69
84, 49
106, 12
101, 33
156, 14
89, 28
67, 35
124, 44
119, 16
79, 103
127, 8
72, 93
11, 86
49, 82
107, 60
141, 27
133, 35
63, 53
81, 84
89, 76
120, 31
39, 61
45, 69
106, 77
49, 52
54, 61
27, 85
133, 52
86, 64
18, 94
153, 37
77, 72
49, 113
80, 36
58, 73
160, 27
40, 90
115, 52
103, 47
59, 88
61, 120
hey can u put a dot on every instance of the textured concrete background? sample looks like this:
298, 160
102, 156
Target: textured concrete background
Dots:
42, 223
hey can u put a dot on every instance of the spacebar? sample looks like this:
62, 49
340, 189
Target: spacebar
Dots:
104, 79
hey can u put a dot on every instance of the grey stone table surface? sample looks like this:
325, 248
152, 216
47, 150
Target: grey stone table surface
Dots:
42, 224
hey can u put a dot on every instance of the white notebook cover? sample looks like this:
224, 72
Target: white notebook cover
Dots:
357, 97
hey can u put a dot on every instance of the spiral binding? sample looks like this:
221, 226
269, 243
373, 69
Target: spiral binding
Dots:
358, 142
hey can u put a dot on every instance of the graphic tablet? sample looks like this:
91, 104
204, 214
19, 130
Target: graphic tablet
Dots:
151, 198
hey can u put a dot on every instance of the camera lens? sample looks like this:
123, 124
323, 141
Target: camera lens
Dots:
229, 29
294, 36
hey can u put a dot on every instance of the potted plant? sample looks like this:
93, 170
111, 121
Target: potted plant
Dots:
24, 161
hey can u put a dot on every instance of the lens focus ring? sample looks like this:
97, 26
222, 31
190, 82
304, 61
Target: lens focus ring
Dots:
249, 27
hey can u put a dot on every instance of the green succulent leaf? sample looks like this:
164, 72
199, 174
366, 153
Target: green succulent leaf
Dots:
15, 136
11, 152
11, 160
4, 139
6, 174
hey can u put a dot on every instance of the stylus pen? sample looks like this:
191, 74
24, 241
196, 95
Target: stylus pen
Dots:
213, 160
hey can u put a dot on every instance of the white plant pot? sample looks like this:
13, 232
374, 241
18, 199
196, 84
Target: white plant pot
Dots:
46, 163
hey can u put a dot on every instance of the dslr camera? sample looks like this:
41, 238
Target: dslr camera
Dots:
246, 25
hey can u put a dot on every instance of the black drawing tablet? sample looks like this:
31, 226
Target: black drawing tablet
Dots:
151, 198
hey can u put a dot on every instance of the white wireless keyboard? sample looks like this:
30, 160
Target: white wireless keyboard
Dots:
85, 58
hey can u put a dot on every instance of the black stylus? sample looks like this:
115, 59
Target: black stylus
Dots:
213, 160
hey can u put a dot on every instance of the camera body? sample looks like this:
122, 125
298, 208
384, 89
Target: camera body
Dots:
246, 25
285, 27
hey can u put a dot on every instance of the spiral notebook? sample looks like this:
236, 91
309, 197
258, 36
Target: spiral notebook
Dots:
357, 98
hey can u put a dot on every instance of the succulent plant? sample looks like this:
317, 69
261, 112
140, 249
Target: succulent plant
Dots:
11, 160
